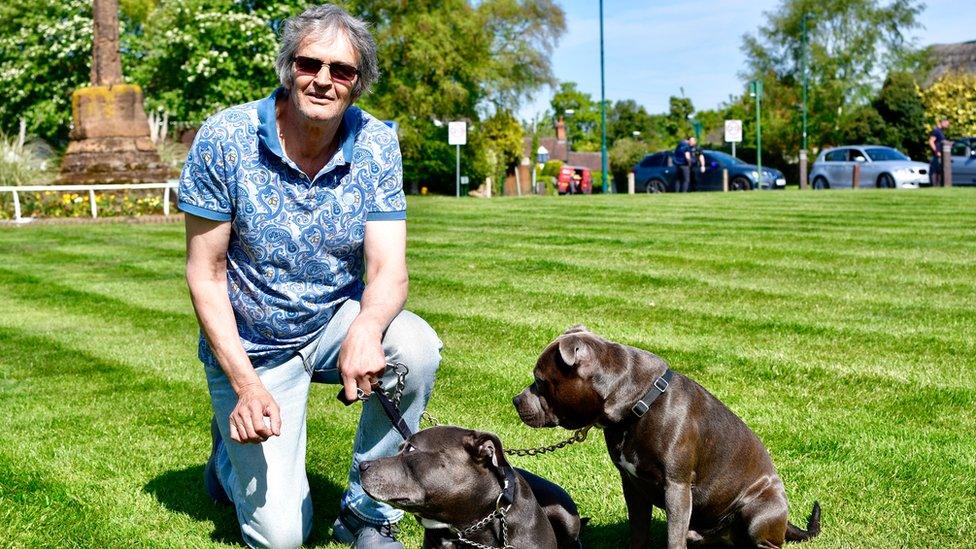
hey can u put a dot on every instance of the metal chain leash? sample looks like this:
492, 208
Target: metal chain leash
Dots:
396, 392
578, 436
401, 372
498, 513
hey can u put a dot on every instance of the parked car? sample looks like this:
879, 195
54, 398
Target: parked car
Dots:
656, 173
574, 180
881, 167
964, 161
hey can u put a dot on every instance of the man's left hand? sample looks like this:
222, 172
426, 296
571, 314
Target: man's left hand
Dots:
361, 359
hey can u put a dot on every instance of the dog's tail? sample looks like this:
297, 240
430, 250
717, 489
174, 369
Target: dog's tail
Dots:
793, 533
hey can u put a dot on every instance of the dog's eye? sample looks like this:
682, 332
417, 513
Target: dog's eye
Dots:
408, 448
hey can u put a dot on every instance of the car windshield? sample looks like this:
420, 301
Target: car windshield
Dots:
880, 154
725, 158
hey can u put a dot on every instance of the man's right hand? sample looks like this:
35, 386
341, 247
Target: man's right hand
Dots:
247, 424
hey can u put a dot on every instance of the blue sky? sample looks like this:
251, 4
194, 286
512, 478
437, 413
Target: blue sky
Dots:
653, 48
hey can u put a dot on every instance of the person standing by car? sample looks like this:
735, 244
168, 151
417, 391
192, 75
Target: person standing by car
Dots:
684, 154
935, 143
697, 162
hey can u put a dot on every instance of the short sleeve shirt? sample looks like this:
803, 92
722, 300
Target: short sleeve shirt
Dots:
296, 245
679, 153
939, 138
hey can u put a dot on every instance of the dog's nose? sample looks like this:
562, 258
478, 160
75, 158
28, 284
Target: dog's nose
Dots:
364, 465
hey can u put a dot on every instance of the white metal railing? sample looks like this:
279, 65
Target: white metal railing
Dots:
166, 186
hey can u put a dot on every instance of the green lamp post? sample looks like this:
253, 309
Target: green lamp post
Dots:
756, 90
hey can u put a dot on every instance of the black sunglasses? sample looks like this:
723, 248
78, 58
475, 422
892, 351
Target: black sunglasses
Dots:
339, 72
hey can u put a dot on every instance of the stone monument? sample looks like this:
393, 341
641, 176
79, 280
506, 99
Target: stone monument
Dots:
110, 139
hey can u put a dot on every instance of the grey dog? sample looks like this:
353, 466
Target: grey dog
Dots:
456, 479
675, 445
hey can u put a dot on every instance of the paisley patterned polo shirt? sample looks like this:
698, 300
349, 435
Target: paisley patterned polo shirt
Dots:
296, 244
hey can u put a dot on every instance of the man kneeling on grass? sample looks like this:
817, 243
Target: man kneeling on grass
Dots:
290, 200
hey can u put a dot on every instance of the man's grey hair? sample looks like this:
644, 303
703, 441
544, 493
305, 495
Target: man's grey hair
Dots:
323, 22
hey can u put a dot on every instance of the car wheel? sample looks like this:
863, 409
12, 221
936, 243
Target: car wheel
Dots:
885, 181
820, 183
740, 184
655, 186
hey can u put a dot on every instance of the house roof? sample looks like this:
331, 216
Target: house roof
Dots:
959, 57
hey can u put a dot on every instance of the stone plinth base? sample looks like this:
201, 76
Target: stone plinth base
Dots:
110, 139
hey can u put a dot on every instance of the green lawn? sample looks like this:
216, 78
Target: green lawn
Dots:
838, 325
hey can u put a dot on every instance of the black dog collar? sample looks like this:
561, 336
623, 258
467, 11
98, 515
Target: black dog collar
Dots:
660, 385
508, 490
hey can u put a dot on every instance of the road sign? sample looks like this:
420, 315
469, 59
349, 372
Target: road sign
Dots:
457, 133
733, 131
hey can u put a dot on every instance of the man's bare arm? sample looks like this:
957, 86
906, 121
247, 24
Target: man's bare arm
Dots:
206, 277
361, 357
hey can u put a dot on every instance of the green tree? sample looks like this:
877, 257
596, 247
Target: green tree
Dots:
45, 53
953, 96
452, 60
851, 42
195, 57
899, 103
523, 34
583, 125
677, 124
624, 118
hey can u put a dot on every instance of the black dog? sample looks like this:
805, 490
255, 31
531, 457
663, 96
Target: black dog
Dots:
459, 484
676, 446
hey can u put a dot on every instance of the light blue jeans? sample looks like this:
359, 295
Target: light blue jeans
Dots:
267, 481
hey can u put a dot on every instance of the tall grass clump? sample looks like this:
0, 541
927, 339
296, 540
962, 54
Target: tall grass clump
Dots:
23, 162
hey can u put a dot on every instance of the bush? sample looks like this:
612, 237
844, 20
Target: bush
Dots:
624, 155
23, 164
552, 167
194, 57
45, 53
953, 96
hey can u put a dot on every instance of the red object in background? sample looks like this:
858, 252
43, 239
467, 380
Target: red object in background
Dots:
574, 180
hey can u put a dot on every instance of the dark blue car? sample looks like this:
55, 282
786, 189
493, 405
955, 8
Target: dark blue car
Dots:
657, 174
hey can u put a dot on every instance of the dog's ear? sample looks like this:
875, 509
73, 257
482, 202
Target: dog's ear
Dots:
574, 350
485, 448
576, 328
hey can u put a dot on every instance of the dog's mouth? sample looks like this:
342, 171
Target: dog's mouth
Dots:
537, 419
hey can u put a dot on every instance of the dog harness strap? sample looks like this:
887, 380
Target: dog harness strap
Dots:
660, 385
392, 412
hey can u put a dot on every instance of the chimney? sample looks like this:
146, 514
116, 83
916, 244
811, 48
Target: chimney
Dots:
560, 130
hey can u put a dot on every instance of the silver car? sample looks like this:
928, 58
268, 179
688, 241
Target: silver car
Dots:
881, 167
964, 161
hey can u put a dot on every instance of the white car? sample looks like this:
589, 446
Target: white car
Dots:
880, 166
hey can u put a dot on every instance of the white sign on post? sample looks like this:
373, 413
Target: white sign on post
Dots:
733, 131
457, 133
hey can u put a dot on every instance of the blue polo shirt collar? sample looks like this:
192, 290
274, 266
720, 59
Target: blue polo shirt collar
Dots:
268, 128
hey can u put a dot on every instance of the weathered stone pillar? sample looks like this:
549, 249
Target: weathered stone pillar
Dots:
110, 138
